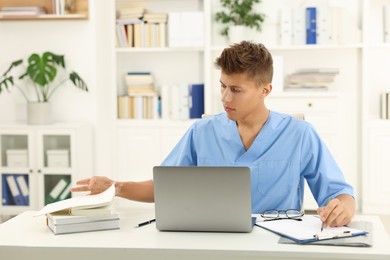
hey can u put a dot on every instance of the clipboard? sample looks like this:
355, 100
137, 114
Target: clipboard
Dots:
309, 230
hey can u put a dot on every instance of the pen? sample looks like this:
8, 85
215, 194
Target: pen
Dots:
145, 223
323, 223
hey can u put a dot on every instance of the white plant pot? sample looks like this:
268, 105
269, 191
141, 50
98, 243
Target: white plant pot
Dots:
237, 33
38, 113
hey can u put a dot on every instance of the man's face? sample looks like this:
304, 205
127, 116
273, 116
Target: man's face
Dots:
241, 96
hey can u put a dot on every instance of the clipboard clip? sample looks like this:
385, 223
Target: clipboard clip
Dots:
332, 236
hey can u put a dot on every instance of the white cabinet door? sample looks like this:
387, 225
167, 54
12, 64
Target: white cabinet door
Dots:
56, 157
376, 177
138, 150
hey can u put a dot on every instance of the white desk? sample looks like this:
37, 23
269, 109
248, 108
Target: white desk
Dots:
27, 237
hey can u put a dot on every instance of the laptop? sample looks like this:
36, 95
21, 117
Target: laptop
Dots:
202, 198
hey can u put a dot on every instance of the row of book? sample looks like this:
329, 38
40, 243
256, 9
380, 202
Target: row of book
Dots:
148, 31
311, 79
177, 102
15, 190
135, 27
385, 105
317, 25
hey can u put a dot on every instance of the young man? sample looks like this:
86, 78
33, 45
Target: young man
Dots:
280, 150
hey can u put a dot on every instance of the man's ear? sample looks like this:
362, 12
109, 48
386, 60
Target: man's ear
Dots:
267, 88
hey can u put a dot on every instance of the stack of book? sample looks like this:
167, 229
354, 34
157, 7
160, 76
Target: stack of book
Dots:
82, 214
317, 79
141, 101
135, 28
21, 11
84, 220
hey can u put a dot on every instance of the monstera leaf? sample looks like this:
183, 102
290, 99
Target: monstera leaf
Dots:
43, 71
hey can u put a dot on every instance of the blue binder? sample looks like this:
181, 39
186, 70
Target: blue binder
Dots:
22, 183
197, 100
311, 25
5, 191
15, 192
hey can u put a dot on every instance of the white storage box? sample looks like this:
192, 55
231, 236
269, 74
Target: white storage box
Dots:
17, 158
57, 158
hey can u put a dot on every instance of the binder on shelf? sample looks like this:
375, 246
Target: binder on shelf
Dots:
58, 189
298, 26
5, 191
15, 192
22, 182
311, 25
385, 105
386, 23
196, 100
285, 26
323, 25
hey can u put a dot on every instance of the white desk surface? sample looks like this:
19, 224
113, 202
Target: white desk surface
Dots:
27, 237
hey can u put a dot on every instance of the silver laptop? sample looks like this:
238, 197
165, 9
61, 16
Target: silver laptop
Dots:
213, 199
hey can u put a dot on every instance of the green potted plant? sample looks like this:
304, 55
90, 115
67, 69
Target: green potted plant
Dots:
238, 15
41, 78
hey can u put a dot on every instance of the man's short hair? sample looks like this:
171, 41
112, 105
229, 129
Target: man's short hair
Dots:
247, 57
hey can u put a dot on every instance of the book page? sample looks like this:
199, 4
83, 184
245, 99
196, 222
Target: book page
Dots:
86, 201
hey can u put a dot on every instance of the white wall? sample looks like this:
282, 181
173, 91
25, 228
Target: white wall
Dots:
74, 39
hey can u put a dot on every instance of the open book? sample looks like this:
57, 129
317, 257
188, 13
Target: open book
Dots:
308, 230
81, 202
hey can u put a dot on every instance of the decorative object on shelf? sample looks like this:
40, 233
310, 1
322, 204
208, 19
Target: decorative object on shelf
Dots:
44, 75
237, 17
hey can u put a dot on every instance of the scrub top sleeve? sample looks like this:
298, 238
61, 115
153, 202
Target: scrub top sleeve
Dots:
184, 152
320, 169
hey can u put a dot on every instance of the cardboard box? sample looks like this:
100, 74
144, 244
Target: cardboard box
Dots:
17, 158
57, 158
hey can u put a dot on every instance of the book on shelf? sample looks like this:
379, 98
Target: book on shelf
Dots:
81, 202
385, 105
65, 224
131, 12
21, 11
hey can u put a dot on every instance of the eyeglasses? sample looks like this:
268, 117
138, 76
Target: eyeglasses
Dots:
274, 214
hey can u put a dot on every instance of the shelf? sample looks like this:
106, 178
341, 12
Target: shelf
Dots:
146, 50
303, 47
81, 10
308, 94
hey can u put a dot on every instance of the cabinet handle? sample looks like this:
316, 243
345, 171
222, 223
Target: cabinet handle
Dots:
31, 171
309, 104
39, 171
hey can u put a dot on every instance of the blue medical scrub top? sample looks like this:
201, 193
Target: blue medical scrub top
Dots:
285, 152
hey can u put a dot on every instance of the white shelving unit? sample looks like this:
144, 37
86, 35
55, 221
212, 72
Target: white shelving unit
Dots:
54, 155
335, 114
375, 131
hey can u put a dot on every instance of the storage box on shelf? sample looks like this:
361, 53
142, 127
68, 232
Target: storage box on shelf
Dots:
43, 10
38, 164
